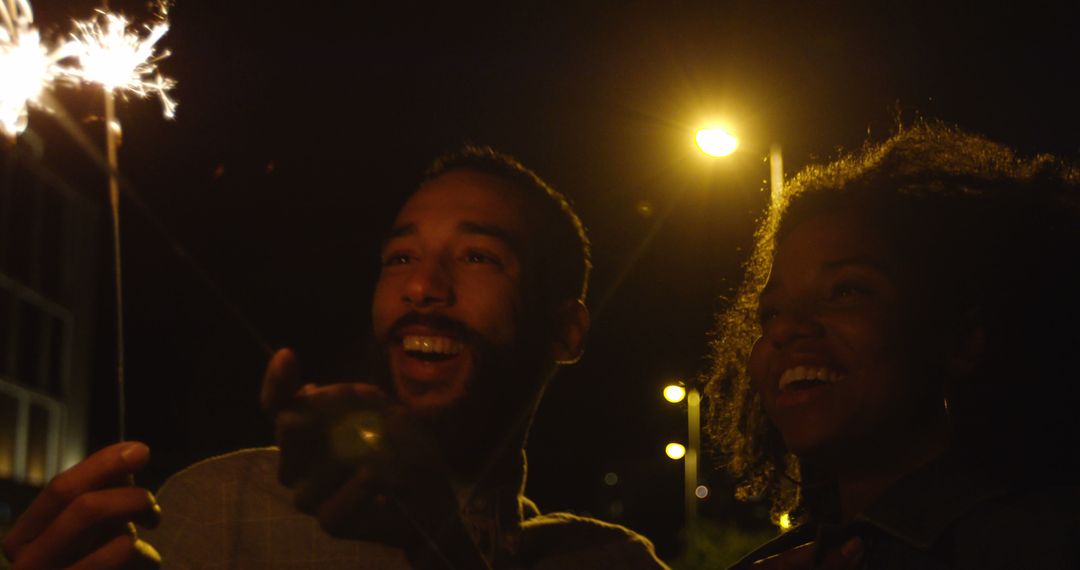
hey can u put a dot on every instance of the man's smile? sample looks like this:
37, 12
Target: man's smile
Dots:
431, 347
427, 353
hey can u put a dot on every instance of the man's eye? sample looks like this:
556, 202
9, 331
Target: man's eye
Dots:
396, 259
482, 258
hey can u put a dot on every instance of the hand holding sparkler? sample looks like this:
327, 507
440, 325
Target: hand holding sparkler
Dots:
81, 519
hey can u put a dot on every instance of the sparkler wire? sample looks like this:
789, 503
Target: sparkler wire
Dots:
71, 127
112, 140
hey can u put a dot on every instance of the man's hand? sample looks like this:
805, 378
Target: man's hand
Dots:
355, 460
83, 518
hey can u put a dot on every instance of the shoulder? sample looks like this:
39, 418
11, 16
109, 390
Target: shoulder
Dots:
565, 541
1036, 527
230, 511
790, 540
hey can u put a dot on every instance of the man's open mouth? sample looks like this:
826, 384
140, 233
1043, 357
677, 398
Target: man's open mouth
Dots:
431, 348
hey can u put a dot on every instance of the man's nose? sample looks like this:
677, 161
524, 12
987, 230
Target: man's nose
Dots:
429, 284
791, 325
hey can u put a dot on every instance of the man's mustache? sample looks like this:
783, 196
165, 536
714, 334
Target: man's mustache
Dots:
442, 323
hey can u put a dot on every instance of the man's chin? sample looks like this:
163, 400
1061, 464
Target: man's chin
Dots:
425, 397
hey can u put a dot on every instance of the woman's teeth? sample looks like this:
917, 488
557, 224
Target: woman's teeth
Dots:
809, 374
432, 345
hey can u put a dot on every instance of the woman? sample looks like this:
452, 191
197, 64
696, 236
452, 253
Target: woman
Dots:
895, 371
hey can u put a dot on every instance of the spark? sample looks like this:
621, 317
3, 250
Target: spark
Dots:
116, 57
27, 66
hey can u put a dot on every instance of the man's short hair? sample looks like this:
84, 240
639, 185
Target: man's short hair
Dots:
558, 238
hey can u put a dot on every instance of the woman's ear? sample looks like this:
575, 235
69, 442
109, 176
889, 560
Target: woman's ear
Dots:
571, 329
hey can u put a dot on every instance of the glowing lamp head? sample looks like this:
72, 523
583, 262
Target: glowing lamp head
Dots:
675, 451
674, 393
784, 521
716, 142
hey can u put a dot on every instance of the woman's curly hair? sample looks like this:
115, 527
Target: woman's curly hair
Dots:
993, 237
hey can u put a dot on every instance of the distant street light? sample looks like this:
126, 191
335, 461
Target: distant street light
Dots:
675, 451
716, 142
675, 393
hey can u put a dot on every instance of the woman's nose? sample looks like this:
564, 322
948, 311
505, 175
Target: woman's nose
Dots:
788, 326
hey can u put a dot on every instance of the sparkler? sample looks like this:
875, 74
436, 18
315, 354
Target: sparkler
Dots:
27, 67
122, 62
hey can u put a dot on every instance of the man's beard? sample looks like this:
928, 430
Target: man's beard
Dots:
496, 407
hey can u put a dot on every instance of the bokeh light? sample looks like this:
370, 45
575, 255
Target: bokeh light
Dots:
675, 450
674, 393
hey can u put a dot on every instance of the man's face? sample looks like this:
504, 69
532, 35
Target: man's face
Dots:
450, 291
836, 365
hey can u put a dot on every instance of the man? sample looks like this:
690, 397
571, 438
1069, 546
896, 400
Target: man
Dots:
479, 298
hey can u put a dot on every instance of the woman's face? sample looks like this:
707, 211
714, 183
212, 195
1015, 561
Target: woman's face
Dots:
836, 363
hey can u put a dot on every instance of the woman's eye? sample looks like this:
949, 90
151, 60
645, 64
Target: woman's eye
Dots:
765, 314
847, 289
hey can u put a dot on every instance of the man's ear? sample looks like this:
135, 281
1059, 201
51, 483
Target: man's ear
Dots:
968, 353
571, 329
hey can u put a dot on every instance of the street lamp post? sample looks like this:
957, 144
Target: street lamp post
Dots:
716, 142
776, 173
690, 463
676, 393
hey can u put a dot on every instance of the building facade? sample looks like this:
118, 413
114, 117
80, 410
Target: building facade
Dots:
48, 282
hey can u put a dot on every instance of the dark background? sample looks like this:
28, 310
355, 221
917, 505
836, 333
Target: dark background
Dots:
300, 125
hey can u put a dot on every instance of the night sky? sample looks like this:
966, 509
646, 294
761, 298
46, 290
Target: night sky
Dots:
301, 124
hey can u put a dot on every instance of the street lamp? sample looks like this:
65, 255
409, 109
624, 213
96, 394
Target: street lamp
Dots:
717, 142
676, 393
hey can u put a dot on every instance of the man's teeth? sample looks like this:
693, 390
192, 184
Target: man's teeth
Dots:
809, 373
431, 344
